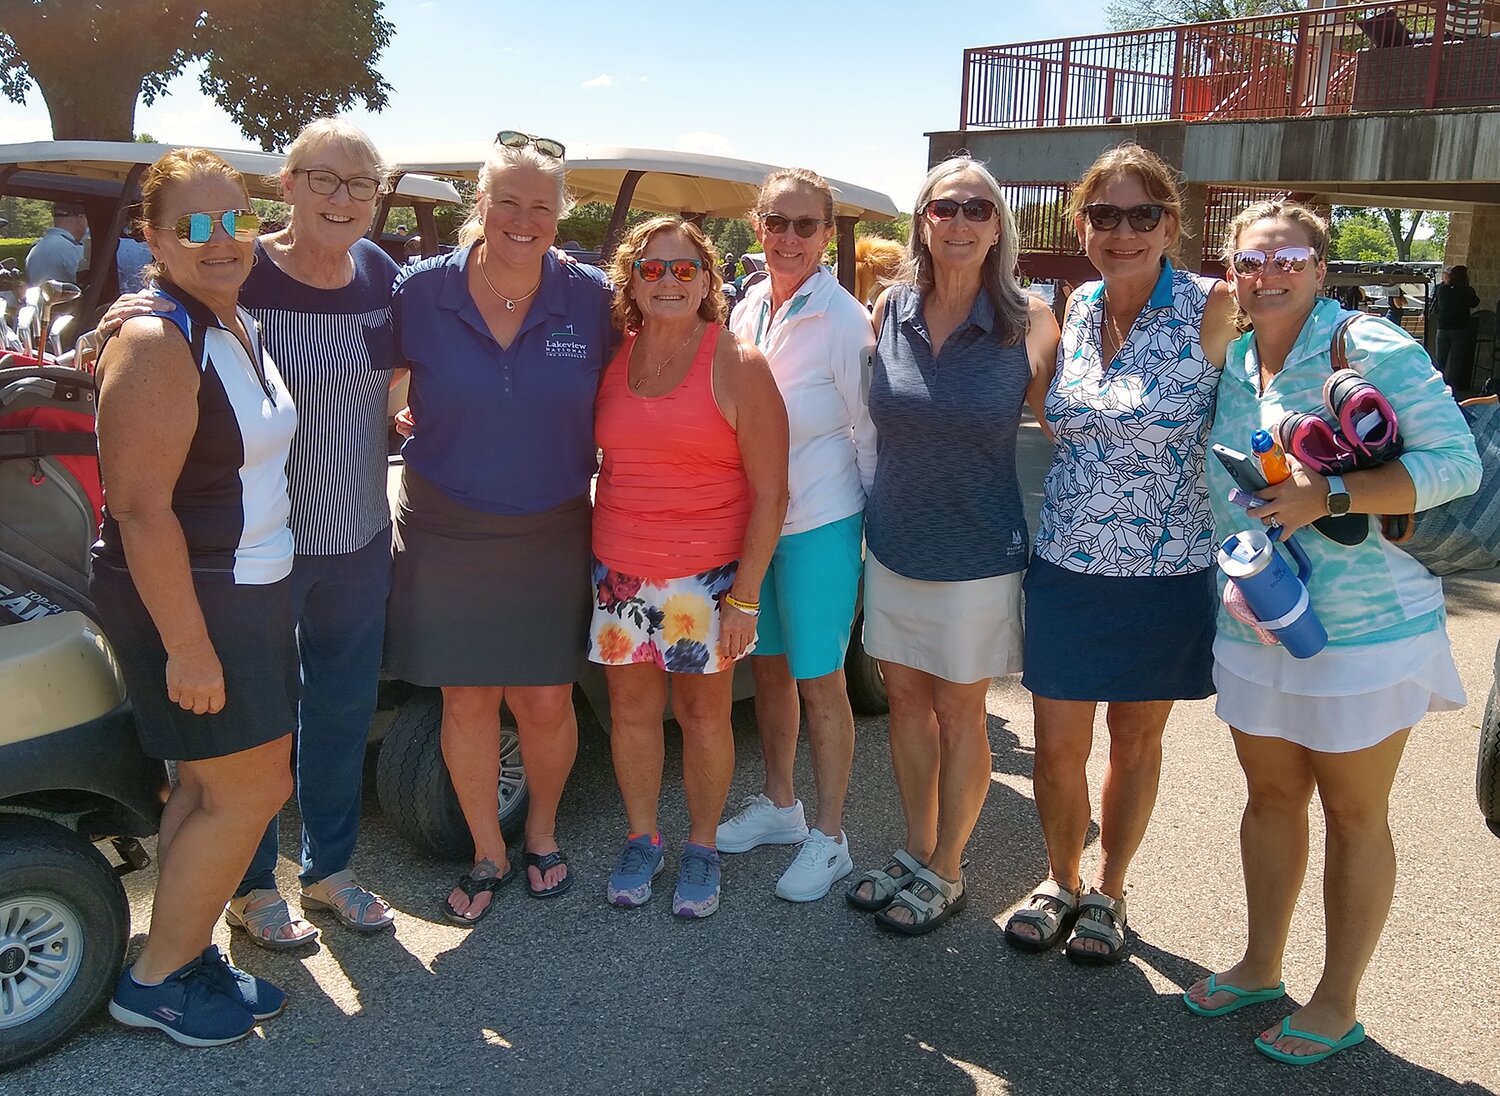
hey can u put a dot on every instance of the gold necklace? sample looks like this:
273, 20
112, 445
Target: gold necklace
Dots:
639, 381
1114, 328
510, 302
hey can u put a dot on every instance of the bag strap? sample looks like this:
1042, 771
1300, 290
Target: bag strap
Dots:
24, 443
1338, 355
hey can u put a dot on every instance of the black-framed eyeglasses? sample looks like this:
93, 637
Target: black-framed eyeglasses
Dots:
778, 223
196, 229
654, 270
976, 210
1289, 260
1142, 218
514, 138
361, 188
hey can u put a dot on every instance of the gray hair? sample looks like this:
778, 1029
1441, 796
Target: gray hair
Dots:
500, 159
1012, 308
337, 133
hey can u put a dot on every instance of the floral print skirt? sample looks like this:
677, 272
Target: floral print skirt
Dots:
672, 624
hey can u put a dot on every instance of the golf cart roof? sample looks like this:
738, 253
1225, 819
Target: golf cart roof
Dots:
672, 182
107, 164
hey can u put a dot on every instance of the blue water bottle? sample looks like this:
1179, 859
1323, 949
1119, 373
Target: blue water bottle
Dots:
1276, 594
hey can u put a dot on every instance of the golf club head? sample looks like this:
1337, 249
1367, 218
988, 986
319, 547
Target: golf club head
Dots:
12, 280
58, 332
32, 296
4, 224
50, 294
24, 319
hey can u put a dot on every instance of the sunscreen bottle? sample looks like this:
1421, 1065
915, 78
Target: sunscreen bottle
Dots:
1273, 462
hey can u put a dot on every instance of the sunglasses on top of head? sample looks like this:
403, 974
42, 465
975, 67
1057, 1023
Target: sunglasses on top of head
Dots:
514, 138
777, 224
196, 229
977, 210
1289, 260
654, 270
1142, 218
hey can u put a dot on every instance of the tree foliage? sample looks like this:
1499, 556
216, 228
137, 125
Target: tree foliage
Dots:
1138, 14
1386, 234
270, 65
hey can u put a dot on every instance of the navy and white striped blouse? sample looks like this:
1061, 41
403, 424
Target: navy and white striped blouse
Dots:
336, 348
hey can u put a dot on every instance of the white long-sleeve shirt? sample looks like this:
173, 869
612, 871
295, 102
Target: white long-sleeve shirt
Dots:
819, 345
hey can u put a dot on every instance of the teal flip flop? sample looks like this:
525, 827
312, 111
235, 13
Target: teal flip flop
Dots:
1356, 1036
1242, 997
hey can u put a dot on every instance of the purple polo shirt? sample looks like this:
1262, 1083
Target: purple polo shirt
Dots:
504, 430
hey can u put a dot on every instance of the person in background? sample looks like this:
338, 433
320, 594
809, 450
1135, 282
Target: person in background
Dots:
58, 254
1120, 594
1395, 307
1335, 723
191, 577
817, 339
959, 346
131, 257
691, 498
1453, 304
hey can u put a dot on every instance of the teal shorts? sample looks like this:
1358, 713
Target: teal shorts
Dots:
808, 596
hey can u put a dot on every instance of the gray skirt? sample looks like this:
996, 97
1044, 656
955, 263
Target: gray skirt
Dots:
486, 599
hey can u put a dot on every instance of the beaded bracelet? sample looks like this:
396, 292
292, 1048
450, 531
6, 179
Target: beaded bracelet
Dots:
749, 608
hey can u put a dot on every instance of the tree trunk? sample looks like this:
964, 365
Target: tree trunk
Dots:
103, 109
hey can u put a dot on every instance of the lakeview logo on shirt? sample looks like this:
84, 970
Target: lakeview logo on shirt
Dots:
566, 344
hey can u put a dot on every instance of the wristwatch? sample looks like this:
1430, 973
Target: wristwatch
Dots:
1338, 497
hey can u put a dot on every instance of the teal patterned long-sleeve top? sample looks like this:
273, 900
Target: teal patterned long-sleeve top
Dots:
1371, 592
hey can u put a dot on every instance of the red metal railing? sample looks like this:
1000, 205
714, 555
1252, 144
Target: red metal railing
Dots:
1408, 55
1041, 213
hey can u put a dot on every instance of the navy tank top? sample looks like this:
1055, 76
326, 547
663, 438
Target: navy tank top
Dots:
946, 506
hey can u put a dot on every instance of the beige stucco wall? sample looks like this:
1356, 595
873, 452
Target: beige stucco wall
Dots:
1474, 241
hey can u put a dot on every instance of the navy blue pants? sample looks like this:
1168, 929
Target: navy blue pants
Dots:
339, 602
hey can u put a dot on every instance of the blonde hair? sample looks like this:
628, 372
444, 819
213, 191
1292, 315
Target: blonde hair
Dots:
1312, 226
1011, 303
502, 158
1155, 175
342, 135
626, 312
795, 176
181, 165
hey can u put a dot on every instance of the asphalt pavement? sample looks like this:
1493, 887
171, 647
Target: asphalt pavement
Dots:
771, 997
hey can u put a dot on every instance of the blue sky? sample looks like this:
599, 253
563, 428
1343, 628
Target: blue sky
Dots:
845, 88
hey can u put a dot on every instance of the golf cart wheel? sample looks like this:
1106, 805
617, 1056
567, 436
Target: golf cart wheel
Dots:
1487, 776
416, 796
64, 922
867, 695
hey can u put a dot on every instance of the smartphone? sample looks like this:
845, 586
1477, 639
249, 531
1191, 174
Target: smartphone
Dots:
1244, 468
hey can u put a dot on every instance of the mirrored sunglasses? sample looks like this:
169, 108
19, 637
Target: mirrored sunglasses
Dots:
1289, 260
196, 229
1142, 218
777, 224
361, 188
514, 138
654, 270
977, 210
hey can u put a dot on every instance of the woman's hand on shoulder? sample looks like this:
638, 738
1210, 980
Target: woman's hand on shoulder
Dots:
127, 307
1219, 329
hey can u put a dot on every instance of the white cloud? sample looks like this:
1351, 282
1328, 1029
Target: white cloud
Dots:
709, 144
603, 80
30, 126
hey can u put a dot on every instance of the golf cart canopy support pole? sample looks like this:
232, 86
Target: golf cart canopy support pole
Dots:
622, 210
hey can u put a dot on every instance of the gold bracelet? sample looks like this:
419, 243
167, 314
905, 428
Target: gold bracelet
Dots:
749, 608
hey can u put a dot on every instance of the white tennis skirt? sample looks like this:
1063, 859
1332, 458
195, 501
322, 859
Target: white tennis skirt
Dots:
1343, 698
959, 631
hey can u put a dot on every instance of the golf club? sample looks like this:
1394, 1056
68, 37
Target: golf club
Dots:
50, 294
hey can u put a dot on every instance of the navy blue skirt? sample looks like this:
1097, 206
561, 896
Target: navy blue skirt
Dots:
1105, 637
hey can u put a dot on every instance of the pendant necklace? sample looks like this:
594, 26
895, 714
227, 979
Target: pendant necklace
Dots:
656, 376
510, 302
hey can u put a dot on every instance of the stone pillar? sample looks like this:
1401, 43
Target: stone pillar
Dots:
1474, 241
1194, 219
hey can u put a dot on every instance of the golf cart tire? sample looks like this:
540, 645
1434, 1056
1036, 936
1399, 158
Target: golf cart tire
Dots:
1487, 775
416, 796
862, 677
65, 881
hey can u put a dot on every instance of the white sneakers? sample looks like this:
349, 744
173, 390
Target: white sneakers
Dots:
761, 822
821, 862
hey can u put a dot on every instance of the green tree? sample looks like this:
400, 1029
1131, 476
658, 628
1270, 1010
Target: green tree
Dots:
1361, 234
28, 217
1400, 226
899, 229
731, 236
1137, 14
270, 65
